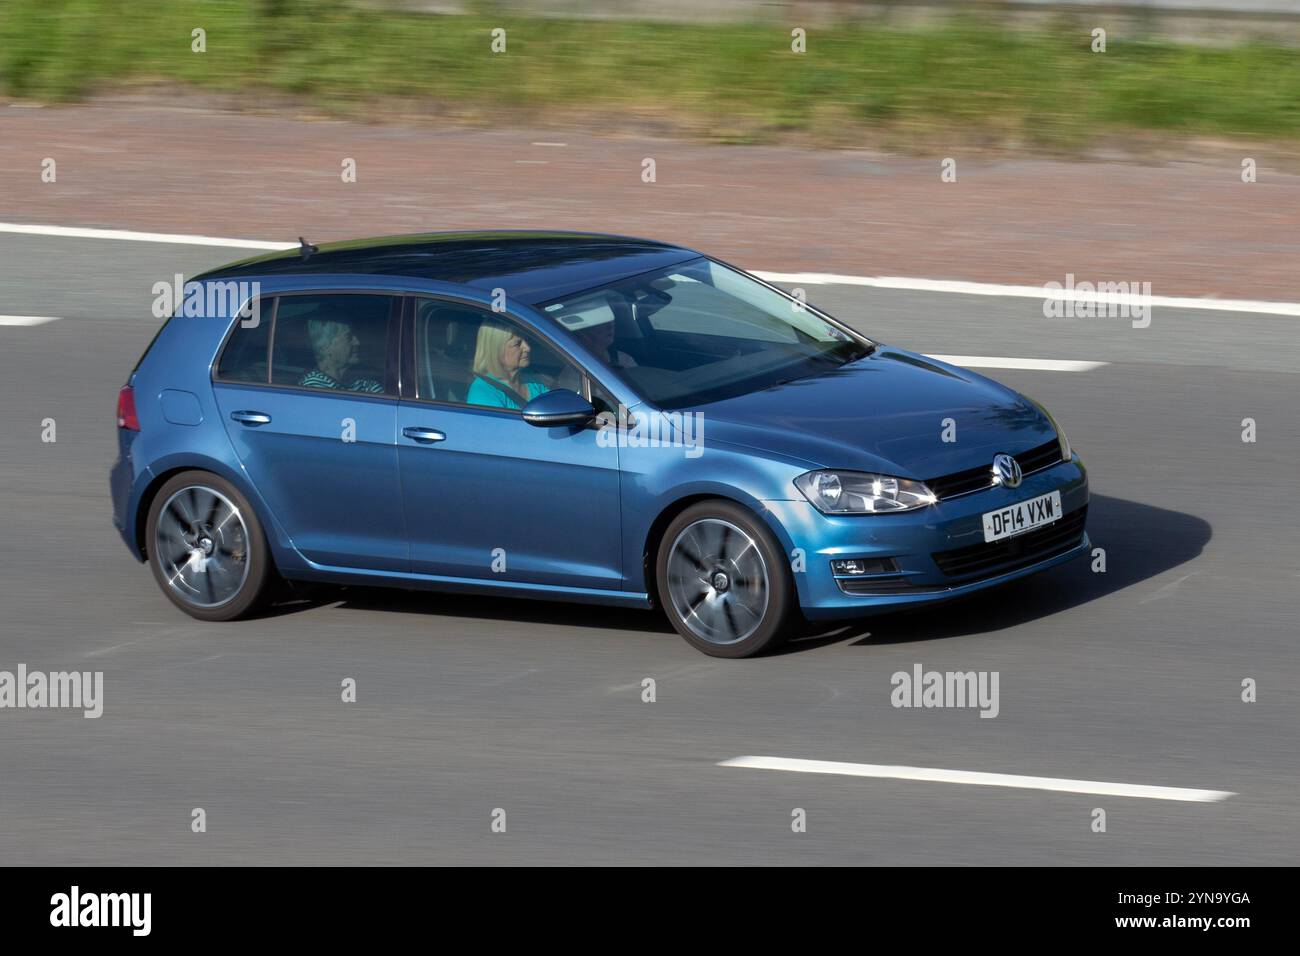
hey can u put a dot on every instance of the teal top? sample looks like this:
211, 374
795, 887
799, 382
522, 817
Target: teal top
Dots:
483, 393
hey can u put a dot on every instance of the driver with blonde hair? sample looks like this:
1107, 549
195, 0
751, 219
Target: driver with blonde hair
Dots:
500, 355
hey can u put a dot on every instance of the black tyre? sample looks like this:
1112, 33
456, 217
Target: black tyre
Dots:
206, 547
723, 581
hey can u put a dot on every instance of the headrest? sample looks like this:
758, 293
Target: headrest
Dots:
592, 313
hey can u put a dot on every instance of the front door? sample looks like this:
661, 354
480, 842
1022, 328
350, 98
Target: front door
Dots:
488, 496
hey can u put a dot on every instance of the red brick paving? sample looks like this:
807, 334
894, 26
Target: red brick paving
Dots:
1189, 228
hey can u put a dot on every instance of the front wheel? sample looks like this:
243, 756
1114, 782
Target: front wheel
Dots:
723, 581
206, 547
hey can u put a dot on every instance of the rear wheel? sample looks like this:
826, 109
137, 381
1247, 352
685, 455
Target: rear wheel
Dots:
723, 581
206, 547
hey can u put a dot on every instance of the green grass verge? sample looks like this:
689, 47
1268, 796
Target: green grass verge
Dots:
727, 82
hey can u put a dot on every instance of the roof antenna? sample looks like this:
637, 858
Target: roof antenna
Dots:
306, 249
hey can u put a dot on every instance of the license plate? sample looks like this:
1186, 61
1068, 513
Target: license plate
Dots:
1022, 516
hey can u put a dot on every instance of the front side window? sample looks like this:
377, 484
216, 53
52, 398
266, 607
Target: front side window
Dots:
700, 332
334, 342
470, 356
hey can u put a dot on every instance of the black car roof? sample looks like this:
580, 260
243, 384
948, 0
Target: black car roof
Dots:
530, 266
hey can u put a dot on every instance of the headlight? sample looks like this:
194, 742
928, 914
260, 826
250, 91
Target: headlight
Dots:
859, 492
1066, 452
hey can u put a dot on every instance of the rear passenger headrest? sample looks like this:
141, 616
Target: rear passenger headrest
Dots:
462, 332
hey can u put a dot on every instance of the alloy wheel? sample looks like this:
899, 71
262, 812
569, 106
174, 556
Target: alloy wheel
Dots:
201, 542
717, 581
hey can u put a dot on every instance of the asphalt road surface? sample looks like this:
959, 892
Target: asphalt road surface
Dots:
467, 705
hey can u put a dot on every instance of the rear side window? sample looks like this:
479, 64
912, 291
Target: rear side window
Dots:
245, 358
335, 341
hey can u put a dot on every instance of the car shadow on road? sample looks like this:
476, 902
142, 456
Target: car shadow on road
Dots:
481, 607
1140, 541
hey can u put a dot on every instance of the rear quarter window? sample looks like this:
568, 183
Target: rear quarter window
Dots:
245, 357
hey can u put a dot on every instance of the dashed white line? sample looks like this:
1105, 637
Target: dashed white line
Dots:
929, 775
1042, 365
27, 319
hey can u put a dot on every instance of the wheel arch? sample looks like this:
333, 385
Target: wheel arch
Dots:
666, 516
176, 467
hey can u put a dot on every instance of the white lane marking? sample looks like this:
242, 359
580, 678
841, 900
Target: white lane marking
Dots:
550, 144
27, 319
1033, 292
1042, 365
1058, 784
806, 278
123, 234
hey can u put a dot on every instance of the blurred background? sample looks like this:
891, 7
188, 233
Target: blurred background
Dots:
1084, 136
908, 73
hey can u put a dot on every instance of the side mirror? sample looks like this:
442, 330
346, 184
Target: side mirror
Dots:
558, 407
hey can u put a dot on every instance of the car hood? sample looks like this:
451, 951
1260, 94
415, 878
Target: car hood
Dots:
884, 412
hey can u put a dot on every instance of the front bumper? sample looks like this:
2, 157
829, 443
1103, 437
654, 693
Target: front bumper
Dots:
913, 538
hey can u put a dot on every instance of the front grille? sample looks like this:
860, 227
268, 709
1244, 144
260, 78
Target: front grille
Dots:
976, 479
1044, 456
1012, 553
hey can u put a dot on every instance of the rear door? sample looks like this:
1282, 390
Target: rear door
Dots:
310, 404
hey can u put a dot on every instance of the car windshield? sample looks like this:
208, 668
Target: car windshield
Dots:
700, 332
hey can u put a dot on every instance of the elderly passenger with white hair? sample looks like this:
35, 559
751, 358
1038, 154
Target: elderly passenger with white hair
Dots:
337, 350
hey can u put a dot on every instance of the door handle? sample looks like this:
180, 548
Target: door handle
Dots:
251, 418
426, 436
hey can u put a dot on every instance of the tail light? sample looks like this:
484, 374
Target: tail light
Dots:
126, 416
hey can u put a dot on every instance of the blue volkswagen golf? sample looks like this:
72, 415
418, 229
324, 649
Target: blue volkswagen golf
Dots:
575, 417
